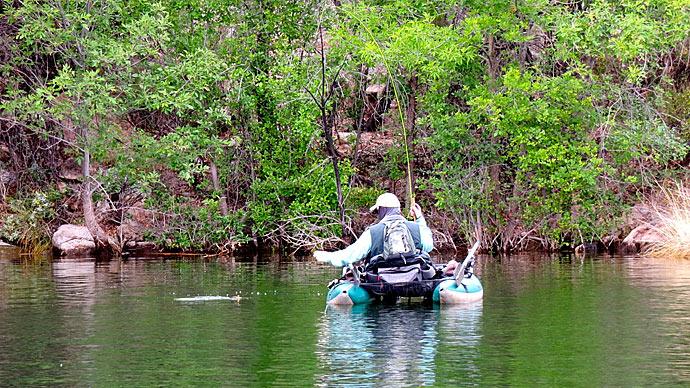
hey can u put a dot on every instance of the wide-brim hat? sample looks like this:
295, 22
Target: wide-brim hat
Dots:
385, 200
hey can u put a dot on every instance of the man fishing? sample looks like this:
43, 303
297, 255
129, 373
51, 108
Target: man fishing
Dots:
397, 263
391, 236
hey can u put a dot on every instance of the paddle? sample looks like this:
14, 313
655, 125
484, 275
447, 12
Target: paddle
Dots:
355, 273
459, 272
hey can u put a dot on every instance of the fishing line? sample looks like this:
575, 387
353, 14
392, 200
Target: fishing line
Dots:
398, 103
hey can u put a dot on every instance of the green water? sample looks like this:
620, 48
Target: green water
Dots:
553, 321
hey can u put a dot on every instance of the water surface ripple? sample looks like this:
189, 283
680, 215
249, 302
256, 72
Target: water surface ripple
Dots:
550, 321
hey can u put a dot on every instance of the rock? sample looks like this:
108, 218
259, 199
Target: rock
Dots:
376, 90
5, 154
70, 175
130, 231
538, 41
586, 249
70, 171
140, 245
6, 177
69, 232
4, 244
347, 137
641, 236
345, 142
74, 240
611, 239
644, 234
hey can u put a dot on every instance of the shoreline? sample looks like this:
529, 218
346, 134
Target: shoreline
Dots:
148, 248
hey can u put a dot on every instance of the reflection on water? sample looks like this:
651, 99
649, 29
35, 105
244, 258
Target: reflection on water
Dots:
460, 330
667, 282
369, 345
551, 321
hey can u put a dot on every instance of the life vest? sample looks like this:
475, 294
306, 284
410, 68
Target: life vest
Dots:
393, 225
402, 265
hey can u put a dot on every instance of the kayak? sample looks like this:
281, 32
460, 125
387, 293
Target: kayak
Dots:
433, 284
443, 290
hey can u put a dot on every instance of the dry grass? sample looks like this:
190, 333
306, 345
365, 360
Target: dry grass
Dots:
671, 211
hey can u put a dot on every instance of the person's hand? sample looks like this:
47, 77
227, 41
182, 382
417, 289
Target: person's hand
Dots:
328, 257
450, 267
322, 256
416, 211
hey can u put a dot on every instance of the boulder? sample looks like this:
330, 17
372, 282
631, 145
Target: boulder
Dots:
642, 236
140, 245
70, 175
586, 249
5, 154
70, 171
376, 90
74, 240
345, 142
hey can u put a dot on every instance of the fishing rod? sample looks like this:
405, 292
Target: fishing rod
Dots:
396, 93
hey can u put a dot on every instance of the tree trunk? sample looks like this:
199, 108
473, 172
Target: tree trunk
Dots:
100, 238
327, 124
492, 58
333, 154
222, 201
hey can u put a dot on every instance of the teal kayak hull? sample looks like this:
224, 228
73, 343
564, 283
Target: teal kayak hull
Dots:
348, 293
450, 292
446, 291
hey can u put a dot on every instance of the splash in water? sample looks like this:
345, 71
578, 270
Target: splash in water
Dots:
209, 298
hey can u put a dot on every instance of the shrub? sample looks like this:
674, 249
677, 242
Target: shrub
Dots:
671, 214
30, 219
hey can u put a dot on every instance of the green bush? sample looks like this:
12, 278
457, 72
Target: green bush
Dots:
190, 227
29, 221
362, 197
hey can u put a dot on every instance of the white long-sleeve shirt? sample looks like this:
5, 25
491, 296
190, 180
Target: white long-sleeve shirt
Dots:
361, 248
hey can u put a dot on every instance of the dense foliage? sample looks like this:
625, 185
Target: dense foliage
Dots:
208, 124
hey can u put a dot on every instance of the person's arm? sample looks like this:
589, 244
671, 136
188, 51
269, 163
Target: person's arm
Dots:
355, 252
425, 236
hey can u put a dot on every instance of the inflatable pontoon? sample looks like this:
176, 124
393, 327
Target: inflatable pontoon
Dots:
413, 278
